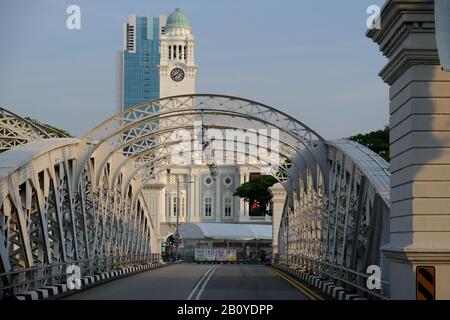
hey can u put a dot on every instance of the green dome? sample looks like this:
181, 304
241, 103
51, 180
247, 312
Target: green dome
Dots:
177, 19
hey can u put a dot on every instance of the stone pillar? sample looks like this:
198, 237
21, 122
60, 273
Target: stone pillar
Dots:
162, 204
279, 197
154, 195
420, 140
198, 196
217, 201
192, 195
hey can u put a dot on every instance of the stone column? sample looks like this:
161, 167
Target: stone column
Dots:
217, 201
198, 196
154, 195
420, 140
279, 197
192, 195
162, 204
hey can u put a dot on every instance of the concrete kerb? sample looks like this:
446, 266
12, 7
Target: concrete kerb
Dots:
326, 286
57, 291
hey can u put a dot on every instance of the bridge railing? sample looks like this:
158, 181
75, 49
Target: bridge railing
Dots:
16, 282
335, 222
16, 130
48, 221
349, 279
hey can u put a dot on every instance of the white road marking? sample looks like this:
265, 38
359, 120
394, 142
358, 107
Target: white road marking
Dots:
199, 282
205, 282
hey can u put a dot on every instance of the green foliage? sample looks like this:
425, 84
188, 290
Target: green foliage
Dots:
257, 190
61, 132
377, 141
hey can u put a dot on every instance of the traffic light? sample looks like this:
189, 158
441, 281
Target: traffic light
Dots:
170, 241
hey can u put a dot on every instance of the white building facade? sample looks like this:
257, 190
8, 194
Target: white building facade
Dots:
201, 198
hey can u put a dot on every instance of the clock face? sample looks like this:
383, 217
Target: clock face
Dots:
177, 74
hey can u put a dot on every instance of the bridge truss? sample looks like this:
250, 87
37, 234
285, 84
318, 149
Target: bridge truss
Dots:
15, 130
334, 230
82, 201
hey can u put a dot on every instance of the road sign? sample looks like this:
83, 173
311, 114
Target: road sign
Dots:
425, 283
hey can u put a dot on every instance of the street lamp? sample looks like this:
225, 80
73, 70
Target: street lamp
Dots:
213, 169
177, 238
208, 154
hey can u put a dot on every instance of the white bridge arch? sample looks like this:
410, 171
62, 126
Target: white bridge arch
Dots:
79, 201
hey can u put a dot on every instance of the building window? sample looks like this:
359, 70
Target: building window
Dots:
228, 181
130, 36
208, 207
208, 181
227, 207
175, 206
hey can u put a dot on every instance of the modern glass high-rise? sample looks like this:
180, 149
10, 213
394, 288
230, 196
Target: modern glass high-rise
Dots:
139, 80
139, 60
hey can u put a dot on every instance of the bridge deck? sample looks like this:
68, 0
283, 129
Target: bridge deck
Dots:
202, 282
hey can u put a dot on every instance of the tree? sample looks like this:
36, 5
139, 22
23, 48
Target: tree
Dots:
377, 141
49, 128
257, 190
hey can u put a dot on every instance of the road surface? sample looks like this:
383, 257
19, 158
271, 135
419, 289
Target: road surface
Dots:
197, 282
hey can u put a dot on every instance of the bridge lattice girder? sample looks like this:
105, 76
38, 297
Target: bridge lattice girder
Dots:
336, 229
81, 201
15, 130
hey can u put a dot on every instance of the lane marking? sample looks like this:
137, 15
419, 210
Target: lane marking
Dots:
306, 291
205, 282
199, 282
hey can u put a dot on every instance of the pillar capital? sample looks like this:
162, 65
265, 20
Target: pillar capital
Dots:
407, 36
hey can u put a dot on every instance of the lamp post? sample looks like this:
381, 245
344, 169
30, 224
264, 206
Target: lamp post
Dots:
177, 238
208, 154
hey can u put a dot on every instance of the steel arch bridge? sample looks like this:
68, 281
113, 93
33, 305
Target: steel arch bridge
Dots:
66, 201
15, 130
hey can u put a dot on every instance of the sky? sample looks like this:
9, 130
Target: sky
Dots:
310, 59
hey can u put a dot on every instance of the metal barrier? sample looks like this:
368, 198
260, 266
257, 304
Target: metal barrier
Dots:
16, 282
335, 222
351, 280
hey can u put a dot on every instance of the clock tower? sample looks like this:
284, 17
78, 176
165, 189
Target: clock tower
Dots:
177, 68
